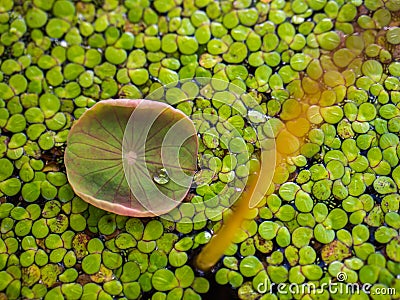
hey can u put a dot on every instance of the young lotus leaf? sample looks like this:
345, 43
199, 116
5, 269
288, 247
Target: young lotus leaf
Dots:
132, 157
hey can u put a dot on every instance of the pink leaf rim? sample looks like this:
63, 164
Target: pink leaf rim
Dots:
80, 135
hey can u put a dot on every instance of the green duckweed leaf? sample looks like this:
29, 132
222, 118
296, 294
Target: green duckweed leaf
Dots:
91, 263
323, 235
336, 219
384, 185
373, 69
164, 280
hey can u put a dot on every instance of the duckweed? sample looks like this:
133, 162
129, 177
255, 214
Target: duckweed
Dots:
325, 78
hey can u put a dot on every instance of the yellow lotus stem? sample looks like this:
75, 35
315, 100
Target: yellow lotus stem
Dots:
215, 249
287, 143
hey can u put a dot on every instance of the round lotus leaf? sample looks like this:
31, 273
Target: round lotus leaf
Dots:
115, 146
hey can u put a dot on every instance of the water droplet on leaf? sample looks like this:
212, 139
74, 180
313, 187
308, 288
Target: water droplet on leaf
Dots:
161, 177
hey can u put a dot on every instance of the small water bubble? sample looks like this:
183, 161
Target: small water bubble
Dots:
256, 116
161, 177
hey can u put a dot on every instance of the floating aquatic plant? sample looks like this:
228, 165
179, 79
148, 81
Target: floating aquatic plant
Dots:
331, 212
132, 169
